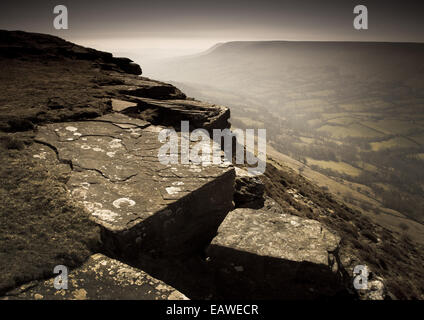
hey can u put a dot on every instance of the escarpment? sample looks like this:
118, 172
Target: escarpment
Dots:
158, 230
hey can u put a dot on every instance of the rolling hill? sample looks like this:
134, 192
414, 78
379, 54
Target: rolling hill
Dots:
352, 111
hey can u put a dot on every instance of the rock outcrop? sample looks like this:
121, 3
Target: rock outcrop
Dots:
142, 205
279, 250
100, 278
67, 108
79, 83
92, 115
131, 87
172, 112
24, 45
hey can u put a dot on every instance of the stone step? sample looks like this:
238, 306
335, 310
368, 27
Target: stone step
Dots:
142, 205
100, 278
277, 254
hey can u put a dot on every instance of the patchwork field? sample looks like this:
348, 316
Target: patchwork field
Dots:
398, 142
351, 130
391, 126
360, 123
340, 167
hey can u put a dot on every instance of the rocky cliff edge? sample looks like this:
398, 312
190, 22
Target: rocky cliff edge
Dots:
83, 187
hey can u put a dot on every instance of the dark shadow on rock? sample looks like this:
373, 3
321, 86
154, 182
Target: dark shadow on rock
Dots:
233, 274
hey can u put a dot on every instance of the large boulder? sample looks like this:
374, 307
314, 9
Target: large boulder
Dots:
100, 278
277, 256
142, 205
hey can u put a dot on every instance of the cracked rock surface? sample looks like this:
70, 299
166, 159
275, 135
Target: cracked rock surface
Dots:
101, 278
143, 206
56, 114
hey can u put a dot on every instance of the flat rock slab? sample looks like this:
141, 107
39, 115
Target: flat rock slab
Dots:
276, 235
119, 105
143, 206
102, 278
266, 253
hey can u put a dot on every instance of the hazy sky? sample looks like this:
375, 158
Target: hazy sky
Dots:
183, 26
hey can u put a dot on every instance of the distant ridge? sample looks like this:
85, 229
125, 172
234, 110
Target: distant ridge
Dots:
300, 44
273, 57
269, 42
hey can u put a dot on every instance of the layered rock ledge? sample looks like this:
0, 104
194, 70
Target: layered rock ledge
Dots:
172, 112
67, 82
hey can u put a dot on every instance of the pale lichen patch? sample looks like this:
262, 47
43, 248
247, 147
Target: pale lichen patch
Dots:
115, 143
172, 190
294, 223
42, 155
72, 129
85, 185
105, 215
123, 202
